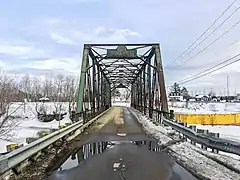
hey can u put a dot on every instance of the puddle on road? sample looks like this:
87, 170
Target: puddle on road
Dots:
86, 151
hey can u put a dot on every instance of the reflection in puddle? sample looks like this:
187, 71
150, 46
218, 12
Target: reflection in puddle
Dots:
83, 153
88, 150
150, 145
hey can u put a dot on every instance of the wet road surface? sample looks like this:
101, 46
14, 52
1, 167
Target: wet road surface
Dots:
128, 155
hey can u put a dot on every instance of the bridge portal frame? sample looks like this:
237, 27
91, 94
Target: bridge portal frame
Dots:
121, 65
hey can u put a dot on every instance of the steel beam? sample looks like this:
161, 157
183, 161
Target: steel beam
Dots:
144, 75
122, 44
161, 81
82, 79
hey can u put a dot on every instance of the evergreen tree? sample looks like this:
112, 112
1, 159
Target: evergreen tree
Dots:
175, 89
184, 93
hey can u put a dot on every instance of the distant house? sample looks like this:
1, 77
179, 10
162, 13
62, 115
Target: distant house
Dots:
228, 98
201, 98
44, 99
238, 96
215, 99
175, 97
192, 99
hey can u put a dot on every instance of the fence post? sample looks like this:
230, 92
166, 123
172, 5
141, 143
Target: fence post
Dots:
216, 135
194, 129
203, 131
84, 116
185, 125
203, 146
160, 114
185, 137
158, 118
171, 114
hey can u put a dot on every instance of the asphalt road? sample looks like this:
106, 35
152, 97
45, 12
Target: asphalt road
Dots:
124, 159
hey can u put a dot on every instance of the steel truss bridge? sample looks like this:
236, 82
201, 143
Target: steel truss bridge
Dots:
134, 154
137, 67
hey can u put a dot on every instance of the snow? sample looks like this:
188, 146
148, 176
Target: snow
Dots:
201, 164
232, 161
44, 99
191, 157
159, 132
121, 103
3, 144
227, 132
27, 124
204, 108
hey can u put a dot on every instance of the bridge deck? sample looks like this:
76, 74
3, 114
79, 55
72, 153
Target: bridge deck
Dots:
124, 159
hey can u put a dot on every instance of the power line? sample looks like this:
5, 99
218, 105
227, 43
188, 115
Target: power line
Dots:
214, 30
209, 72
192, 76
208, 69
209, 45
214, 22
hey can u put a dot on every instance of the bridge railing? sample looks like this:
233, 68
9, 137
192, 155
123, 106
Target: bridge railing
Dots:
87, 115
203, 137
17, 157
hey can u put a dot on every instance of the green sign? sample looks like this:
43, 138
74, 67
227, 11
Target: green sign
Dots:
122, 53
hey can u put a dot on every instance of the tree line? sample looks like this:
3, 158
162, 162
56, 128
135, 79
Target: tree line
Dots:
14, 88
176, 89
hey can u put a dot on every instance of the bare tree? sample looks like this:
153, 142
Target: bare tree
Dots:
36, 88
70, 88
58, 89
8, 91
58, 82
25, 86
8, 123
126, 94
37, 92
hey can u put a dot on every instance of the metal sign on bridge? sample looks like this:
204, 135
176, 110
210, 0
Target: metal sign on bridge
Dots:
122, 53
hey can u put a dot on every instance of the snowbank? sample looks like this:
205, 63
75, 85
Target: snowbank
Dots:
204, 108
158, 132
201, 164
27, 124
191, 157
228, 132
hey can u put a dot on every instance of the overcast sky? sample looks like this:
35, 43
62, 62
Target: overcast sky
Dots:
42, 36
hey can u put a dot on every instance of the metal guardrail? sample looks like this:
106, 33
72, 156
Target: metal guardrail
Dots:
16, 157
204, 139
207, 140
